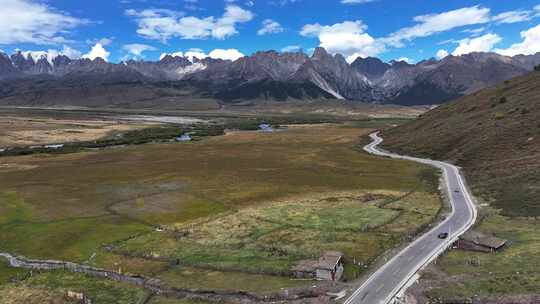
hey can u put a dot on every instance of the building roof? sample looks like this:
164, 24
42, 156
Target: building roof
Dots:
266, 127
306, 266
329, 260
184, 137
481, 239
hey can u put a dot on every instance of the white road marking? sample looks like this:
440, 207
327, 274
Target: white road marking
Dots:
439, 248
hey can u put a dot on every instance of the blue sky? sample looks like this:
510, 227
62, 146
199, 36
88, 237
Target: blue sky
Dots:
389, 29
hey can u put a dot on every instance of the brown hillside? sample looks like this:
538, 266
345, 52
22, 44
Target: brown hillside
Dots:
494, 134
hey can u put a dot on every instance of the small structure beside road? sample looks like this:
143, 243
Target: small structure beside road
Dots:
183, 138
78, 296
477, 241
266, 127
328, 267
55, 146
305, 269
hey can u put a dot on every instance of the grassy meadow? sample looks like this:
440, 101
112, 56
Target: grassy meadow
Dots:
513, 271
52, 287
247, 205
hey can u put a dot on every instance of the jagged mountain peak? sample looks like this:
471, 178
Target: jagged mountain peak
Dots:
341, 59
18, 57
399, 64
322, 74
99, 60
371, 67
169, 59
272, 53
320, 53
429, 61
61, 60
368, 59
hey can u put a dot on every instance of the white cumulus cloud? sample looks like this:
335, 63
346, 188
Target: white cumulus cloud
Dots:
513, 17
270, 26
428, 25
50, 54
351, 39
291, 48
441, 54
137, 49
71, 52
229, 54
406, 59
24, 21
195, 53
528, 46
224, 54
347, 38
161, 24
483, 43
97, 51
475, 31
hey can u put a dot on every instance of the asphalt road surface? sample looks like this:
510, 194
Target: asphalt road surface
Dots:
387, 283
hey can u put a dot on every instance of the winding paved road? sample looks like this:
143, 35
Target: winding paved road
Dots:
388, 282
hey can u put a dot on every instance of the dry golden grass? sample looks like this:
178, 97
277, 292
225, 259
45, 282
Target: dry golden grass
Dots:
22, 131
28, 295
52, 287
272, 236
233, 190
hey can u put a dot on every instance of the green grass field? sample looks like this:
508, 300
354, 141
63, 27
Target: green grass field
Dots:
514, 271
163, 300
271, 238
51, 287
195, 278
253, 204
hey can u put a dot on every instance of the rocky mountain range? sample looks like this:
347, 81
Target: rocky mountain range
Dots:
25, 80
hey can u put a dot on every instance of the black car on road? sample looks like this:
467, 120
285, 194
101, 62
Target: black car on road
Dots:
443, 235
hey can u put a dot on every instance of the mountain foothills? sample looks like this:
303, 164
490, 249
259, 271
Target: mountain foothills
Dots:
38, 80
494, 134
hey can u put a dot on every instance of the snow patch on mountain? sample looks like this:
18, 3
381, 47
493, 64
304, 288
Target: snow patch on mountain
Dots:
37, 55
198, 66
321, 83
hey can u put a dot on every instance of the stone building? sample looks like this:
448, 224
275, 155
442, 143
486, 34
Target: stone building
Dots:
476, 241
328, 267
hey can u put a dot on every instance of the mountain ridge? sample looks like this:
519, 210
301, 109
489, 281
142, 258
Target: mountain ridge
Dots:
493, 133
267, 75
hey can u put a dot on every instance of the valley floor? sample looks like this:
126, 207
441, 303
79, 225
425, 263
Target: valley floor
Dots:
227, 213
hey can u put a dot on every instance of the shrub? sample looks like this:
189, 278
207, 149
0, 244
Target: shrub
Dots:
499, 115
503, 100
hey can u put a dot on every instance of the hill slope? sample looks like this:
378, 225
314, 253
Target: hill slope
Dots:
494, 134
